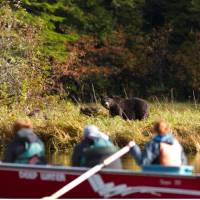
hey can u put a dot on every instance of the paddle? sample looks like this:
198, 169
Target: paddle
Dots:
91, 171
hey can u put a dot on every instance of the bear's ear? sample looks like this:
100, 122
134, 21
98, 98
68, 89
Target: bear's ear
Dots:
102, 96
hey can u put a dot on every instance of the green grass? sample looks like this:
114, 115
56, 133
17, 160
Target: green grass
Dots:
63, 127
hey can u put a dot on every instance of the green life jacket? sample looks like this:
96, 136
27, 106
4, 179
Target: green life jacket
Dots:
99, 148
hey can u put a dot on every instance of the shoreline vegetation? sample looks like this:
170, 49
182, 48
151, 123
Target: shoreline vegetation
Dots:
82, 49
60, 124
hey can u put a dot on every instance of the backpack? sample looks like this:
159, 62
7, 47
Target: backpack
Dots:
99, 150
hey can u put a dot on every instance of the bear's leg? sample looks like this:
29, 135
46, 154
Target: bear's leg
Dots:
129, 116
122, 114
115, 110
142, 115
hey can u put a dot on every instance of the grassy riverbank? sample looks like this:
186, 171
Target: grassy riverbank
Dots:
60, 124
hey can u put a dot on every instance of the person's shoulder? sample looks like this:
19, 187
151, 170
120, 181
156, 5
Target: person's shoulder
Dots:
81, 145
77, 146
152, 141
177, 142
152, 144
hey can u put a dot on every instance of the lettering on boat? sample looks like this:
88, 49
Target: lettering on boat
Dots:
47, 176
108, 190
165, 182
177, 182
30, 175
44, 176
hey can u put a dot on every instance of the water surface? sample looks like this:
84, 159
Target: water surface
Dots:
128, 162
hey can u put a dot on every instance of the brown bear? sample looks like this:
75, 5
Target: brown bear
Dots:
129, 109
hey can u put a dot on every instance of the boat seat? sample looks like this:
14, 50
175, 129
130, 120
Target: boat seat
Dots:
183, 170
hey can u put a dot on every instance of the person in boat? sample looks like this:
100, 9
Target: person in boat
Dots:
163, 149
26, 147
93, 149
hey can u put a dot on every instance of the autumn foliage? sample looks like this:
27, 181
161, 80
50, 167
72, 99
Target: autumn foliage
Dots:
86, 48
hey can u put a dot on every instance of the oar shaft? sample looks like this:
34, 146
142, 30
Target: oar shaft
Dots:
77, 181
91, 172
116, 155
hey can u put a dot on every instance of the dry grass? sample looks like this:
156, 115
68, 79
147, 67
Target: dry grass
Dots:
60, 124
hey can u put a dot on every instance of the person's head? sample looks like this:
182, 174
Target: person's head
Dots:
92, 132
22, 124
161, 127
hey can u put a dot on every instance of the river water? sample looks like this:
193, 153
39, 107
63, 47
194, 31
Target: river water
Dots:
128, 163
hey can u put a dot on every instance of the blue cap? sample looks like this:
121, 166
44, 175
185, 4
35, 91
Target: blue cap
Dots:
91, 131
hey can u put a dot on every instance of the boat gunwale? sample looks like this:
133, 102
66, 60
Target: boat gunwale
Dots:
79, 170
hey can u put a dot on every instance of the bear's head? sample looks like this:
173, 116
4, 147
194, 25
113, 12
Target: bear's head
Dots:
107, 102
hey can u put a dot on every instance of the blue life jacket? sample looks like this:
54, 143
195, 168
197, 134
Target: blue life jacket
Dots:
167, 138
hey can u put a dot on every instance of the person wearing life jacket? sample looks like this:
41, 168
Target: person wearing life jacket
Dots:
93, 149
26, 147
163, 149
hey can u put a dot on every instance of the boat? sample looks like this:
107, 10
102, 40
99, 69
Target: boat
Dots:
37, 181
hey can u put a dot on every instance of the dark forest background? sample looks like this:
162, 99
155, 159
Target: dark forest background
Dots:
80, 49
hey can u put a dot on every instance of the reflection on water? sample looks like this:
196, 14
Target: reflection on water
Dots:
194, 160
59, 158
128, 163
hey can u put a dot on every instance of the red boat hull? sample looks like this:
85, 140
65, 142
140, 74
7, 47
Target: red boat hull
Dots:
26, 181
